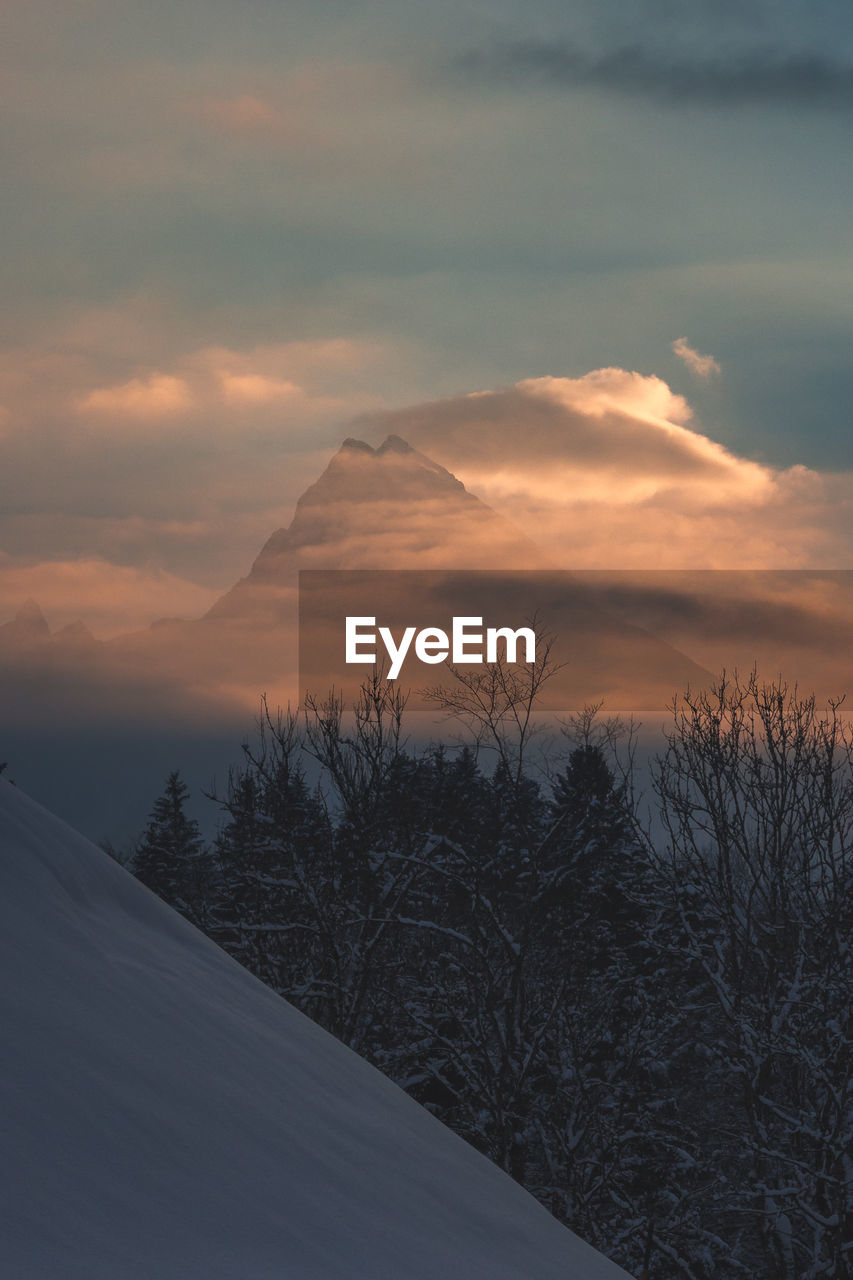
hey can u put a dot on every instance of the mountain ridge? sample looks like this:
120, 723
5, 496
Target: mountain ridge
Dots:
389, 507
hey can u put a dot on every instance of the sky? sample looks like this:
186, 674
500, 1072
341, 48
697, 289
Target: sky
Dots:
234, 231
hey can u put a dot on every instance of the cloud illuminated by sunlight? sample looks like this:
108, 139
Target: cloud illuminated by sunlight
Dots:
609, 470
702, 366
156, 396
110, 598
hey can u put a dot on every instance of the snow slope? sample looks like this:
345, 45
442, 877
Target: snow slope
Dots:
164, 1115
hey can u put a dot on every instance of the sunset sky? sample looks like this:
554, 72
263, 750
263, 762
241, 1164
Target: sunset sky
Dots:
232, 230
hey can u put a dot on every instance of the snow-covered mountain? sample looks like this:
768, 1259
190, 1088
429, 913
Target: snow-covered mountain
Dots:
165, 1115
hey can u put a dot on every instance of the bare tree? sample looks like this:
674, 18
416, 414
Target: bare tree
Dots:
376, 853
755, 792
357, 746
496, 702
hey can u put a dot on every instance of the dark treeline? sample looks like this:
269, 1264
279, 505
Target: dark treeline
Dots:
641, 1011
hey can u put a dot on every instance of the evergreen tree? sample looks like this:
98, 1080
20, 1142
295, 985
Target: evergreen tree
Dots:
274, 873
603, 1161
594, 876
170, 859
648, 1027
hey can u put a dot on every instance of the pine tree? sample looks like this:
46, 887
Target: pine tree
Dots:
607, 1165
593, 873
274, 874
170, 859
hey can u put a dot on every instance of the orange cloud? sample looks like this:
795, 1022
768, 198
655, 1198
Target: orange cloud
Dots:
316, 380
608, 470
244, 113
254, 388
702, 366
109, 598
611, 431
157, 396
315, 377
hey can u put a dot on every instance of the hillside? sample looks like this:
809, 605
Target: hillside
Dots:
166, 1115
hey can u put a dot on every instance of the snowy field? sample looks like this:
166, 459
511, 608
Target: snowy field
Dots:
165, 1115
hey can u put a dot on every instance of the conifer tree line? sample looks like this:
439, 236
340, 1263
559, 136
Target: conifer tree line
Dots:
639, 1006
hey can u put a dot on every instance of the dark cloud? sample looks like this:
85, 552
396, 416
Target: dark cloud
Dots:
769, 609
755, 77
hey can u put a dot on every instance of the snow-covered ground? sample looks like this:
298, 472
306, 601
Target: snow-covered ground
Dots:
163, 1116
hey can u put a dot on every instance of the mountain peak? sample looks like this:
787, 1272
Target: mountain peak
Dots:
351, 445
386, 508
395, 444
28, 624
391, 444
31, 614
394, 471
77, 632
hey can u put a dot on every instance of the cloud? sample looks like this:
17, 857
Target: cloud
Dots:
110, 598
314, 379
244, 113
613, 433
314, 112
124, 443
108, 369
322, 373
254, 388
609, 471
756, 77
702, 366
159, 395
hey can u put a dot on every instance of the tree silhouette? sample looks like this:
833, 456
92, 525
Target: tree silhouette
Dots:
170, 858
